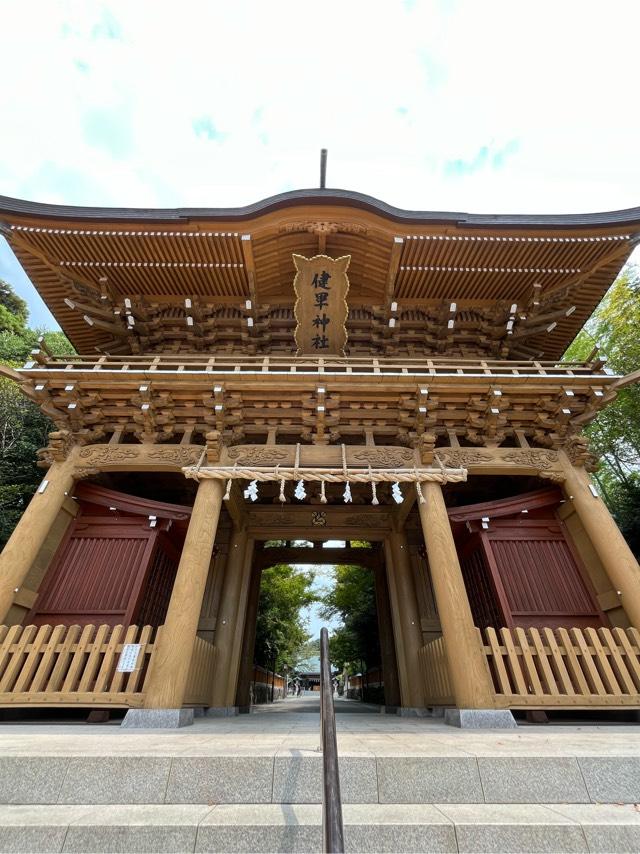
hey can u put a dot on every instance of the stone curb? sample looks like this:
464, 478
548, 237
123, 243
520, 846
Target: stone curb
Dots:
368, 827
290, 776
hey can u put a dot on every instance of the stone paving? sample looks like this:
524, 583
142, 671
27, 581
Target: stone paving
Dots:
253, 783
294, 724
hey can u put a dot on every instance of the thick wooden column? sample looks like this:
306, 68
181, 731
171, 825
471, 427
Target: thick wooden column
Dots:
396, 623
406, 617
240, 622
465, 659
167, 679
612, 549
31, 531
228, 614
243, 693
385, 631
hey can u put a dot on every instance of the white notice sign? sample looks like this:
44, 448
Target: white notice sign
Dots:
128, 657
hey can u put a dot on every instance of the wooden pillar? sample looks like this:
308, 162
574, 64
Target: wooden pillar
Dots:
213, 590
465, 659
385, 632
240, 622
396, 623
167, 679
243, 694
227, 616
31, 531
406, 622
612, 549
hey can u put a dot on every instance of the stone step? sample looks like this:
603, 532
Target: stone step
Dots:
294, 776
297, 828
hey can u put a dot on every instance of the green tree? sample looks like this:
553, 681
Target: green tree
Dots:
281, 630
309, 649
353, 599
14, 304
23, 428
614, 435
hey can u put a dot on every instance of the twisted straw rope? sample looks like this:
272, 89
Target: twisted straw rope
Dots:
328, 475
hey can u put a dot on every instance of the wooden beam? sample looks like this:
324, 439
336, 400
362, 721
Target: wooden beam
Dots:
236, 505
319, 556
390, 317
620, 250
53, 268
250, 267
402, 511
392, 270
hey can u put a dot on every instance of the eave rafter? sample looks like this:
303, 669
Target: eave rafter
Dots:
401, 275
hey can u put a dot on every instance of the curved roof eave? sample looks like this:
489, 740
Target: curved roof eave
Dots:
345, 198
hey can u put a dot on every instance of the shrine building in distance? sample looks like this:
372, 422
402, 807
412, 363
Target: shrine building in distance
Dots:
318, 366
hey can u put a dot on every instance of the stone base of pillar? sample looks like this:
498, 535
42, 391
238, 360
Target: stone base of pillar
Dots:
480, 718
413, 712
222, 711
158, 718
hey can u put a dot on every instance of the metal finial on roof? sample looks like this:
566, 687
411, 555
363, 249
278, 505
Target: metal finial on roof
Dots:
323, 168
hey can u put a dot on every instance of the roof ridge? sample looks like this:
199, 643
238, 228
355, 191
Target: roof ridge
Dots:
315, 196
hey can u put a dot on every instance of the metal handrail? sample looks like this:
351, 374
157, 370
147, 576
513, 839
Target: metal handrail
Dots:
332, 827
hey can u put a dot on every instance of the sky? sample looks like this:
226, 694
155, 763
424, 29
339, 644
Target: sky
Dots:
322, 584
464, 105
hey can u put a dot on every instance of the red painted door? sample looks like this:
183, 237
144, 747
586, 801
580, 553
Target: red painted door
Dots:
542, 584
519, 565
98, 574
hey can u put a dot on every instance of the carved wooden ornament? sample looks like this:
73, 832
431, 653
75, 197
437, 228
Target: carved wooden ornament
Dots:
321, 286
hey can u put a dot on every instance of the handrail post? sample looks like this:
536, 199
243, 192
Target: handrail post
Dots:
332, 827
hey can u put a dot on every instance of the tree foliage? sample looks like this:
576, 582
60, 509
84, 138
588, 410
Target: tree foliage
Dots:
353, 599
614, 435
11, 302
23, 428
281, 631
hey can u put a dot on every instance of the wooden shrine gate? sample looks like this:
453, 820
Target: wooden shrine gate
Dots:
575, 660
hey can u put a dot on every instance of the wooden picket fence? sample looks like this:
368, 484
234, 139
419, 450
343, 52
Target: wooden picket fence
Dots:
201, 674
71, 665
435, 673
564, 667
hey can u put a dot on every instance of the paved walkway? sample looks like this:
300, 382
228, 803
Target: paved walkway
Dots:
293, 724
254, 783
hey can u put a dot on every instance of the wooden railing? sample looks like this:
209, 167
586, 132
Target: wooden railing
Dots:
201, 674
358, 365
564, 667
71, 665
438, 691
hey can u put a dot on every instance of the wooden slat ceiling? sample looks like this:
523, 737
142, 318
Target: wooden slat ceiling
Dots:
554, 268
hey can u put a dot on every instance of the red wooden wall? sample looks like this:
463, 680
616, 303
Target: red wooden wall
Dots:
113, 566
520, 567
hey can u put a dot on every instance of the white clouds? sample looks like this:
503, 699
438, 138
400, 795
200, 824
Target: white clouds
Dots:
398, 92
212, 103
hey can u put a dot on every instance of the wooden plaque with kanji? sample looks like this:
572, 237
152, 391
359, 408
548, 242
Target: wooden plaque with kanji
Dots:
321, 286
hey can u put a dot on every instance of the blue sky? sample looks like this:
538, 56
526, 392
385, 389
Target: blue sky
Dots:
444, 104
483, 106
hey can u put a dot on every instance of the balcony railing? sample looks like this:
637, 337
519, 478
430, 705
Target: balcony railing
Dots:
352, 365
